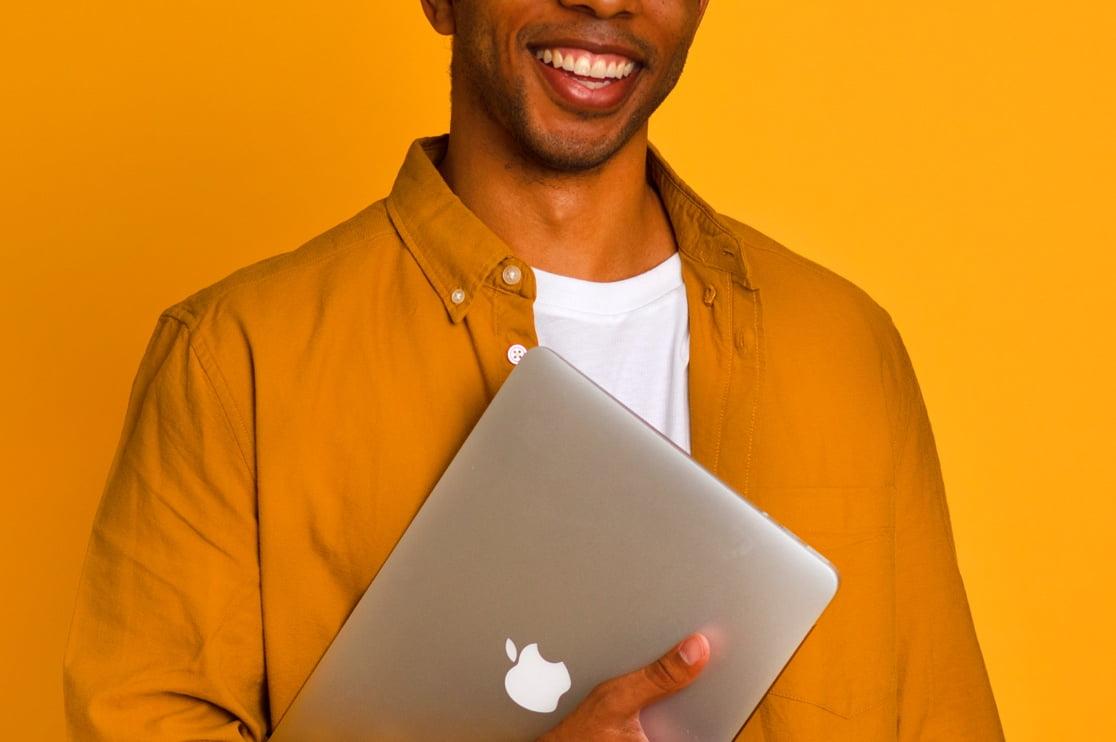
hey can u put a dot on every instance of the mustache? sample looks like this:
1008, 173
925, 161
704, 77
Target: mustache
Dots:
605, 33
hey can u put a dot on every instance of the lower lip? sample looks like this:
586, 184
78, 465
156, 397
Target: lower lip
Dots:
574, 94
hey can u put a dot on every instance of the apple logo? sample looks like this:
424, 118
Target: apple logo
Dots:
533, 682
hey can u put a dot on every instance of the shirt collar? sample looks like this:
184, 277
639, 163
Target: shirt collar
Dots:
458, 253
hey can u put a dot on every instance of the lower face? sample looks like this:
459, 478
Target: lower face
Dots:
570, 89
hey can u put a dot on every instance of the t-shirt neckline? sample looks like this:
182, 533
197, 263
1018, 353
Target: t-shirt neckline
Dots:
608, 297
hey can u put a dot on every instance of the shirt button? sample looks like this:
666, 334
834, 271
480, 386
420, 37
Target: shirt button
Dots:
516, 353
512, 275
457, 296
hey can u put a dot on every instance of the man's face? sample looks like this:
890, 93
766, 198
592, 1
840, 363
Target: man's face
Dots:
571, 81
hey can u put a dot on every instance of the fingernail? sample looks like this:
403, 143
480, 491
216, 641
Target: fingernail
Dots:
691, 650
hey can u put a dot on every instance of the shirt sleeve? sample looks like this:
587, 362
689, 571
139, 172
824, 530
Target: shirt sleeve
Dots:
944, 691
166, 641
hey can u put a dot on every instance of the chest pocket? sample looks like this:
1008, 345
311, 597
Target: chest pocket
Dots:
846, 664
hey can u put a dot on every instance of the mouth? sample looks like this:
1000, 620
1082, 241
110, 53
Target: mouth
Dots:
583, 79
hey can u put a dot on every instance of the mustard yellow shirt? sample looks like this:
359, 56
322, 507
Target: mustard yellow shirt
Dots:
287, 422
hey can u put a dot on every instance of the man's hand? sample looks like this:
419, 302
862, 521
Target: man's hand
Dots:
610, 713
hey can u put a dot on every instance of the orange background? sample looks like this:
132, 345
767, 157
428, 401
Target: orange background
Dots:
954, 159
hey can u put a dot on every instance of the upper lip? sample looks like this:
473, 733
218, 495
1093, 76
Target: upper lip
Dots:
594, 47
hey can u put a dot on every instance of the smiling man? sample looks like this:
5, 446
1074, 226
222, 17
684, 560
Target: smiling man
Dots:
288, 421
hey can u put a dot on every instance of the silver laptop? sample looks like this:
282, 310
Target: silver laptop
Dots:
567, 542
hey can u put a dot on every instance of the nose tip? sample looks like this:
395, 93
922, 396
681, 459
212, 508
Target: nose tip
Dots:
602, 8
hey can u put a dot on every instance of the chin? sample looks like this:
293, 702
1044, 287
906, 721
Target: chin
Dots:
573, 151
571, 159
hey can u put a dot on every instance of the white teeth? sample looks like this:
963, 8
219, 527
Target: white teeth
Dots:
587, 65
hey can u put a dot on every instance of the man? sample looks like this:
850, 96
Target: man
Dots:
287, 422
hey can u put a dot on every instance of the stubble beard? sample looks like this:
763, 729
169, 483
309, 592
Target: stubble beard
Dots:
474, 66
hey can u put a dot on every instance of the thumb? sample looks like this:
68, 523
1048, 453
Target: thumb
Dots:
672, 672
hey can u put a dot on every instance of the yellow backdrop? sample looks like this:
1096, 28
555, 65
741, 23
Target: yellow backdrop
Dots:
955, 159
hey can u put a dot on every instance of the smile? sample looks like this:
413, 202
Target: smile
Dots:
594, 71
584, 81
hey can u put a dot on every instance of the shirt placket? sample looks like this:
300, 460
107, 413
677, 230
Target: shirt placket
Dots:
501, 321
725, 359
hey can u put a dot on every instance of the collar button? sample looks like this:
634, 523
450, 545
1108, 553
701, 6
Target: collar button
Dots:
516, 353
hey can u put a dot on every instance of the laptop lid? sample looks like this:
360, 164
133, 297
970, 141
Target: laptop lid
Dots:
568, 542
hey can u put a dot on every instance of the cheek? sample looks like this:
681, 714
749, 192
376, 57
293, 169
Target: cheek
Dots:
494, 58
674, 14
676, 45
473, 61
676, 22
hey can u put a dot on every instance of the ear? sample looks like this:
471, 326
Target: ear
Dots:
440, 15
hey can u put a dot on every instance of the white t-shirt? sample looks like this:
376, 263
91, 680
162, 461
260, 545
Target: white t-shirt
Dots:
631, 337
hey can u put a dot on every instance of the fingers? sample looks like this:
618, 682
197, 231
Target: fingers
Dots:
672, 672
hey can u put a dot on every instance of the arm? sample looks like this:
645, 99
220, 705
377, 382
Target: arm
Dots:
166, 641
944, 692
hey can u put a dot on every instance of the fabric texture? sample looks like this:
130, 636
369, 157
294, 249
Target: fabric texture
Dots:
631, 337
287, 422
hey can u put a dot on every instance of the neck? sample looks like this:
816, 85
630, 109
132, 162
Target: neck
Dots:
600, 225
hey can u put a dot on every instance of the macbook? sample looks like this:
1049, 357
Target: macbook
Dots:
568, 542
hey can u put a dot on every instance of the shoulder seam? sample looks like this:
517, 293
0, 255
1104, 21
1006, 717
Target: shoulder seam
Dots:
906, 405
194, 343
